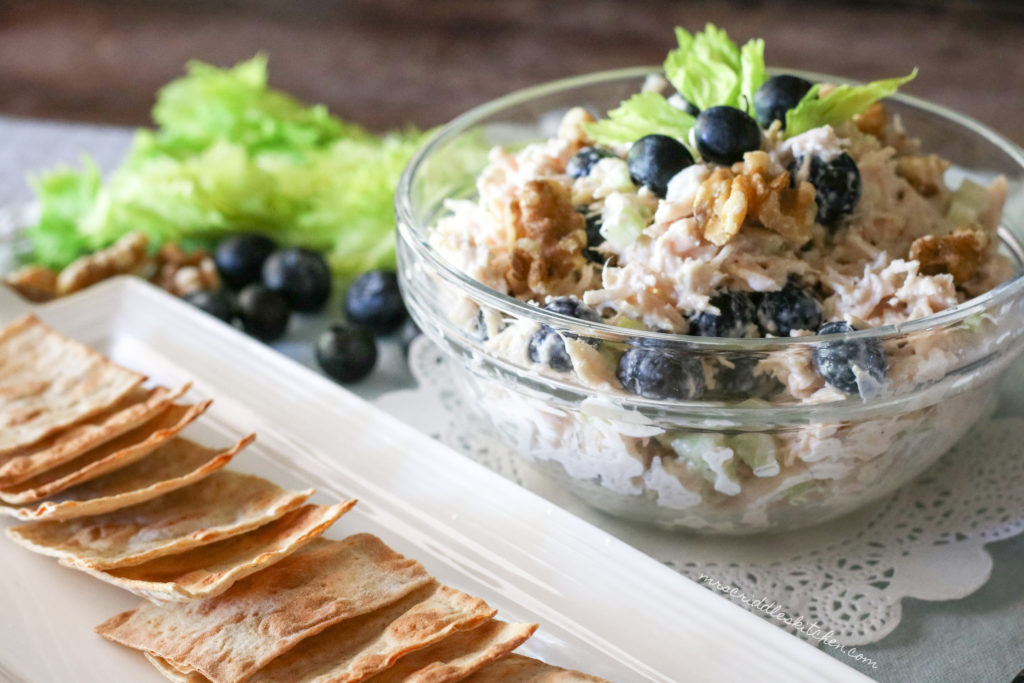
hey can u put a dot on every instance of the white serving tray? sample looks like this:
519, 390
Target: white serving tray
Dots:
603, 607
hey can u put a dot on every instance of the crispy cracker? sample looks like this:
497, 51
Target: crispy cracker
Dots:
175, 464
49, 382
222, 505
211, 569
359, 648
170, 672
113, 455
515, 668
459, 655
232, 635
138, 407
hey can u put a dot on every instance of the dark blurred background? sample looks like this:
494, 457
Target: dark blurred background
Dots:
384, 63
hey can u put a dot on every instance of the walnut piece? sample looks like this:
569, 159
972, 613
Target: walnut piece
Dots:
720, 206
35, 283
959, 254
924, 173
872, 120
749, 191
182, 273
126, 256
546, 237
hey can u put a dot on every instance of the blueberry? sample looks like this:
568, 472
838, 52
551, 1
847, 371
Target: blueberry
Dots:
240, 258
660, 373
264, 313
374, 301
301, 276
546, 345
594, 237
787, 309
655, 159
346, 354
835, 361
725, 134
572, 307
836, 185
778, 95
739, 379
486, 323
584, 161
216, 303
737, 313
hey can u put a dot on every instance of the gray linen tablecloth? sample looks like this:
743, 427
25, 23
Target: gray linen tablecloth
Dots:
979, 639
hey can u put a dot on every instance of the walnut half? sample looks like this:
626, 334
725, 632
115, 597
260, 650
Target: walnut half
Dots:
126, 256
182, 273
959, 254
546, 237
748, 191
35, 283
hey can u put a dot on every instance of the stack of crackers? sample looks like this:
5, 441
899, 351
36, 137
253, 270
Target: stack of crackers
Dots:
239, 581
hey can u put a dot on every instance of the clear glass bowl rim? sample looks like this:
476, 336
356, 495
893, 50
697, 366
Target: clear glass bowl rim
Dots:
413, 232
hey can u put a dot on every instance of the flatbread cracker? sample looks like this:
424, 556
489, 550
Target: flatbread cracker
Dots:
222, 505
230, 636
113, 455
138, 407
359, 648
459, 655
49, 382
170, 672
515, 668
211, 569
175, 464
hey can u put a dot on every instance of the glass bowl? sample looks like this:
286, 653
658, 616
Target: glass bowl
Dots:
726, 463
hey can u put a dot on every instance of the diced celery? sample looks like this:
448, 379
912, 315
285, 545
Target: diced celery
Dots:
709, 456
758, 451
620, 320
623, 219
967, 203
797, 495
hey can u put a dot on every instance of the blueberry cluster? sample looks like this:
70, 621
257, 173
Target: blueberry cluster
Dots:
265, 284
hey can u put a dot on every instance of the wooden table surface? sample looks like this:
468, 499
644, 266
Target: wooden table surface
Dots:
388, 62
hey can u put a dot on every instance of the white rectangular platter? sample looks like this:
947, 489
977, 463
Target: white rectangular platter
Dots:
603, 607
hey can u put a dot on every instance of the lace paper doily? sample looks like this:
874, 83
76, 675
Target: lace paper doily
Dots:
926, 541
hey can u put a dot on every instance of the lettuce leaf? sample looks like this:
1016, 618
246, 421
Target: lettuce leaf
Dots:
230, 154
752, 73
210, 104
64, 195
642, 114
839, 105
709, 69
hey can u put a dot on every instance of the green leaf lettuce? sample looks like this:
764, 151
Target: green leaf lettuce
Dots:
230, 154
642, 114
710, 70
840, 104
